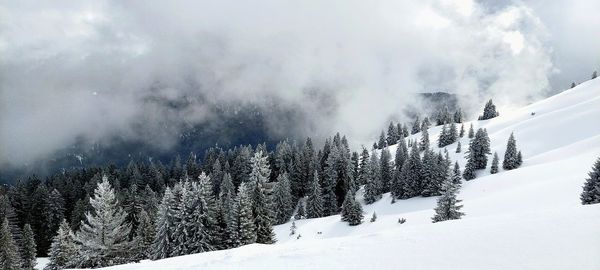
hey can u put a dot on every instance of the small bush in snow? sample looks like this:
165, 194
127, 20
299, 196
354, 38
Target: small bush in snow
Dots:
374, 217
401, 220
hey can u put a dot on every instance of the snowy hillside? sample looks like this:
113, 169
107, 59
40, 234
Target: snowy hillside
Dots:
528, 218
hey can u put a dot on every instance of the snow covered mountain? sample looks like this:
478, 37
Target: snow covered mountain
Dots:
528, 218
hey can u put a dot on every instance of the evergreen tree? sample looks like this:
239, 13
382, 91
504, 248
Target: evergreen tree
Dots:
458, 116
364, 168
386, 171
471, 132
9, 255
494, 168
405, 130
260, 209
38, 218
426, 124
282, 199
448, 207
203, 228
8, 212
458, 147
351, 210
410, 177
330, 182
382, 142
247, 229
293, 228
435, 171
314, 202
373, 185
416, 128
230, 212
28, 251
104, 235
165, 226
591, 188
573, 85
300, 210
489, 111
595, 75
63, 251
144, 236
469, 172
424, 144
480, 148
462, 131
392, 136
519, 158
456, 177
511, 159
443, 138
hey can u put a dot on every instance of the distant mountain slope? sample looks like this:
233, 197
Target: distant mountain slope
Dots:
528, 218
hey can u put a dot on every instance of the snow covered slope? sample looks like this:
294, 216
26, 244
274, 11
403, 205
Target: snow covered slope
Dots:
529, 218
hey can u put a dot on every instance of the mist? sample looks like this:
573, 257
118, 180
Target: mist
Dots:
97, 69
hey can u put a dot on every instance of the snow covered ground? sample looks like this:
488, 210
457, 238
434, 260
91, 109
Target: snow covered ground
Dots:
529, 218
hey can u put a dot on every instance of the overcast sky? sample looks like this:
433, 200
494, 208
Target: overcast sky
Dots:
72, 69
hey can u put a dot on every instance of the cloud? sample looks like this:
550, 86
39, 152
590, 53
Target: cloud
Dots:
93, 69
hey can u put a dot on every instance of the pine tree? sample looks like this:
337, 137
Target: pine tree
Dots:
494, 168
247, 229
458, 116
144, 236
28, 250
511, 159
230, 212
456, 177
351, 210
591, 188
426, 124
382, 142
314, 202
411, 176
300, 210
373, 185
595, 75
260, 209
63, 251
392, 136
104, 235
471, 132
489, 111
462, 131
448, 207
364, 168
469, 172
162, 246
293, 228
386, 171
204, 233
416, 128
573, 85
458, 147
331, 178
443, 138
282, 199
480, 148
9, 255
424, 144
